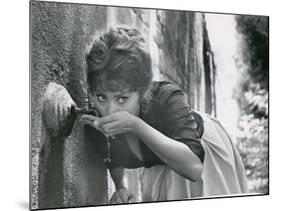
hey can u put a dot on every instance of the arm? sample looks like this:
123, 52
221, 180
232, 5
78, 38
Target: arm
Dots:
174, 154
118, 177
121, 195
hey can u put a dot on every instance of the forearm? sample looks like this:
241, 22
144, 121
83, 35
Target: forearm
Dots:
121, 195
118, 177
174, 154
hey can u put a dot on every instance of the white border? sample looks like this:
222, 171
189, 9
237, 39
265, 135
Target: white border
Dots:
14, 106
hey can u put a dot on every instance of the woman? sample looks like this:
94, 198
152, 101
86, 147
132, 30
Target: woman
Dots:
151, 126
141, 123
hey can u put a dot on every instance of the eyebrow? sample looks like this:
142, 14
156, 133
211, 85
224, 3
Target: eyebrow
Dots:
123, 93
117, 95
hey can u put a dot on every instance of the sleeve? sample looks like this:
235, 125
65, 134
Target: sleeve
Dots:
179, 121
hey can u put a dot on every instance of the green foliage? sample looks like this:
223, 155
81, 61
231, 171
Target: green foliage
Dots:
256, 47
253, 140
253, 99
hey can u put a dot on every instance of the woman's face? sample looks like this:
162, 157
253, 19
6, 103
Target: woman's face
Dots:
107, 102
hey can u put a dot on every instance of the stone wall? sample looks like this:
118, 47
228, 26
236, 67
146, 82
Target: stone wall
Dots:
60, 35
184, 56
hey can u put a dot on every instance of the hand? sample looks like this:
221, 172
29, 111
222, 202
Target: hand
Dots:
122, 196
56, 113
91, 121
118, 123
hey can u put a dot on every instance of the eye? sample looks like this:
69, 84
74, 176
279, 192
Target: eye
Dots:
122, 100
100, 98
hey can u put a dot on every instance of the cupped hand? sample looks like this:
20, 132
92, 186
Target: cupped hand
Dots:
91, 121
113, 124
118, 123
122, 196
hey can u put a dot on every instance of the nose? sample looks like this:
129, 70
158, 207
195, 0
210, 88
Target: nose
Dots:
112, 107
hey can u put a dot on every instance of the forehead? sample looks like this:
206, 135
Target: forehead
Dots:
113, 85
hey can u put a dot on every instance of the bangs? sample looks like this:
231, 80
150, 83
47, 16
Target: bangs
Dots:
119, 75
104, 85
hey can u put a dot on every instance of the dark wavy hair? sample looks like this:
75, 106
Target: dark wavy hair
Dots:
119, 60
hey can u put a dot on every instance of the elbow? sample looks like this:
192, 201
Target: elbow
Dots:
197, 172
194, 173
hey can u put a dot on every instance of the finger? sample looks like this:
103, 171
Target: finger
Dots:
87, 122
118, 131
91, 124
107, 119
111, 127
90, 118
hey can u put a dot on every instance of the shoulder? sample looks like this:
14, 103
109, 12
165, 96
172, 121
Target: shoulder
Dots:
165, 97
164, 90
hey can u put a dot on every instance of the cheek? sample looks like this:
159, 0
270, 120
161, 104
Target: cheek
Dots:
133, 108
99, 107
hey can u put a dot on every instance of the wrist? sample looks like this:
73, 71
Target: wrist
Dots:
119, 188
122, 184
137, 125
